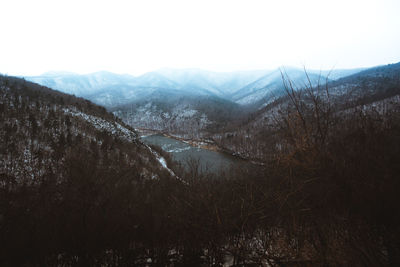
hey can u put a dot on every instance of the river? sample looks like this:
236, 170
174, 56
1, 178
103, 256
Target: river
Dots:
209, 161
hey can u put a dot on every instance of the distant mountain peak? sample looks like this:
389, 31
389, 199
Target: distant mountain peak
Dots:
243, 87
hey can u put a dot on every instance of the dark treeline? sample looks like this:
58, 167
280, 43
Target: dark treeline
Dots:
327, 195
376, 89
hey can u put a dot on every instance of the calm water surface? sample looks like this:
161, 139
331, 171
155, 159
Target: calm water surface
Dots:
209, 161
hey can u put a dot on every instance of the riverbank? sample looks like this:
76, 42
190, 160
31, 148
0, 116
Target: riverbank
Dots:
145, 132
202, 143
205, 144
210, 145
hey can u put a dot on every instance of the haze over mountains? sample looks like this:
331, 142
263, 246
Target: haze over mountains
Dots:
200, 133
183, 100
376, 88
242, 87
225, 107
76, 180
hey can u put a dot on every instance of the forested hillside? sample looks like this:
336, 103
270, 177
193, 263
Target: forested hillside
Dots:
187, 102
189, 116
78, 188
375, 90
72, 176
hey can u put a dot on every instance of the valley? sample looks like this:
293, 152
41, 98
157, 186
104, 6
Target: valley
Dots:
189, 154
199, 168
227, 109
190, 103
188, 133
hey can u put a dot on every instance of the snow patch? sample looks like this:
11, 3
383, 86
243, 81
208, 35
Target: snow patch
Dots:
113, 128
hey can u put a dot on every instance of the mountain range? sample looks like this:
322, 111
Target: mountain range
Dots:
183, 100
242, 87
78, 187
374, 90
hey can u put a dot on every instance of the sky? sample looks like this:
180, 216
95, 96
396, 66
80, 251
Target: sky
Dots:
221, 35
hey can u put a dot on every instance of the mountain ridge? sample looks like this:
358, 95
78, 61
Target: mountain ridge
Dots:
222, 84
153, 95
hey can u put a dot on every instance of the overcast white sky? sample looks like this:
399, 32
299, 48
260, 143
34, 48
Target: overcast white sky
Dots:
223, 35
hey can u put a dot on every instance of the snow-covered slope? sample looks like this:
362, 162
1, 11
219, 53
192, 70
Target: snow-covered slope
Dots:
243, 87
81, 85
218, 83
271, 85
176, 113
41, 129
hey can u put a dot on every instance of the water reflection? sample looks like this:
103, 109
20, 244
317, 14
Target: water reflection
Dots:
209, 161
